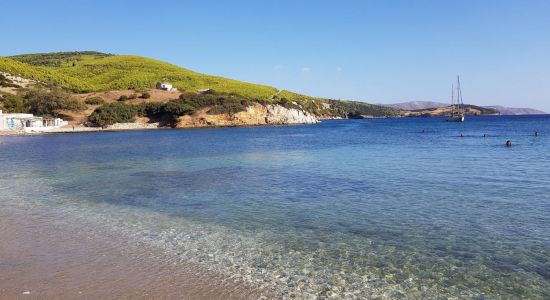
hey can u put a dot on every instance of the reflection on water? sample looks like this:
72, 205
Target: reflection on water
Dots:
389, 208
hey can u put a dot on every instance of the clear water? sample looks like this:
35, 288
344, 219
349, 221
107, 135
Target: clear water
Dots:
384, 208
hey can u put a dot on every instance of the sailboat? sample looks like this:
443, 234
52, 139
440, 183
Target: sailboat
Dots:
457, 107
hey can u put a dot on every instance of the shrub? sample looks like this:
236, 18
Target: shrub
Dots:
43, 102
94, 100
150, 109
178, 108
220, 103
230, 107
122, 98
12, 103
112, 113
9, 84
284, 102
132, 96
145, 95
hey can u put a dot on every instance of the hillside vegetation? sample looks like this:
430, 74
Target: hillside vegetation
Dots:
89, 71
93, 71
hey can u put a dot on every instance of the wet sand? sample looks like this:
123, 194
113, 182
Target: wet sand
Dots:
43, 260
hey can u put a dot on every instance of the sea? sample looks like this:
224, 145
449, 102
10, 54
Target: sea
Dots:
345, 209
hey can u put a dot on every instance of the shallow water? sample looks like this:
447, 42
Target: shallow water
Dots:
357, 208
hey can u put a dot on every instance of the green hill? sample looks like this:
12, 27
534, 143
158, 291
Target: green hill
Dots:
94, 71
90, 71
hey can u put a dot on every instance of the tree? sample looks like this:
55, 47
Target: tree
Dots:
49, 102
12, 103
112, 113
178, 108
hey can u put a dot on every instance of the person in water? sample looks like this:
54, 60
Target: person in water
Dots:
508, 143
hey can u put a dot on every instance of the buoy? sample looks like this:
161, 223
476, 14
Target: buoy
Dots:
508, 143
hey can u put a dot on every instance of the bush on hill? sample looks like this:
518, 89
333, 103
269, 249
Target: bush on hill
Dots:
112, 113
284, 102
231, 107
145, 95
12, 103
49, 102
177, 108
151, 110
220, 103
96, 100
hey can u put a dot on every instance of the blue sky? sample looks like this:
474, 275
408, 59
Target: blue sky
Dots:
375, 51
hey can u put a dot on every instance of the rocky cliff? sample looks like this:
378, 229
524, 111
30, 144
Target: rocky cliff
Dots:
256, 114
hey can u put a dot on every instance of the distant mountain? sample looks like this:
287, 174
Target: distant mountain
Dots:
516, 111
470, 110
429, 105
417, 105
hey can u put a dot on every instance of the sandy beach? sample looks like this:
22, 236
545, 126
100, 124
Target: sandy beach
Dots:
44, 260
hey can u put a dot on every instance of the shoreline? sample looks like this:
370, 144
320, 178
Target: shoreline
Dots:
43, 259
121, 127
82, 129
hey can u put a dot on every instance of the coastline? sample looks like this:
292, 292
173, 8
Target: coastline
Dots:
136, 127
139, 126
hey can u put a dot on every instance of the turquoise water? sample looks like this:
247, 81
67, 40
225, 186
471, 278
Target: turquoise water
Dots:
344, 209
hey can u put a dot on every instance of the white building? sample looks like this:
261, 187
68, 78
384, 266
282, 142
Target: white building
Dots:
28, 123
165, 86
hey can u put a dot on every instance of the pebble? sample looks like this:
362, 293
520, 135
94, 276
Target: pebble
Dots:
394, 295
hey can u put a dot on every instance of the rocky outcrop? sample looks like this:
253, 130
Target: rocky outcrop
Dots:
277, 114
23, 82
256, 114
133, 126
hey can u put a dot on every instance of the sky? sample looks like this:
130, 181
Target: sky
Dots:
376, 51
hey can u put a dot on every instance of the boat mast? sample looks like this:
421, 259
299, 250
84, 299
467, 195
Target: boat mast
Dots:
452, 99
459, 96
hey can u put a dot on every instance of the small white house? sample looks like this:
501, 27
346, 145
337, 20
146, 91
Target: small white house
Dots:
165, 86
28, 122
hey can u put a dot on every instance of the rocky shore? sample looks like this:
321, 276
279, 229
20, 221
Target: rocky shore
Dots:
255, 115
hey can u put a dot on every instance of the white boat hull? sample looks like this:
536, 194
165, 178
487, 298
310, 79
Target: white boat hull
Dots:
456, 119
